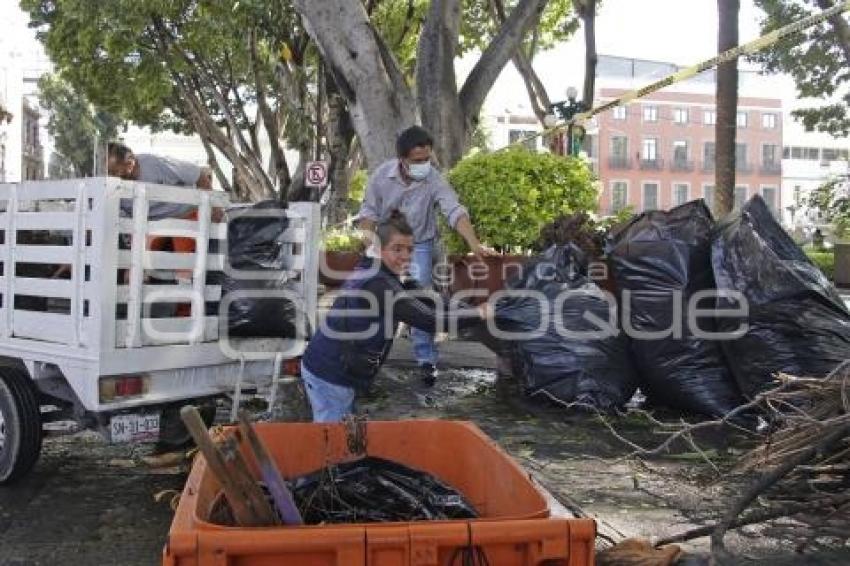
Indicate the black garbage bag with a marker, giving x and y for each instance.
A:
(797, 322)
(662, 258)
(589, 363)
(254, 245)
(376, 490)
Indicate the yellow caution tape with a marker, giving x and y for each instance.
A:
(688, 72)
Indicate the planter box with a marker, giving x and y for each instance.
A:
(468, 273)
(334, 267)
(514, 528)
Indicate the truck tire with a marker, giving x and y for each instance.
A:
(20, 424)
(173, 434)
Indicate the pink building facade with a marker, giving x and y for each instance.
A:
(658, 152)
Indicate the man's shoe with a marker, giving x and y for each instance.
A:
(428, 374)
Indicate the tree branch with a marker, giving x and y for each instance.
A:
(587, 12)
(277, 157)
(537, 95)
(769, 479)
(523, 17)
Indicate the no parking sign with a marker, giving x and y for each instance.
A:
(316, 174)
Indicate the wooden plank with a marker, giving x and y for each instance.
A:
(43, 326)
(45, 220)
(65, 189)
(271, 475)
(56, 288)
(165, 331)
(8, 267)
(43, 254)
(170, 261)
(179, 195)
(244, 496)
(199, 270)
(212, 293)
(174, 227)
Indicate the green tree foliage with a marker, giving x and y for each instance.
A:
(512, 194)
(817, 60)
(74, 125)
(557, 24)
(832, 200)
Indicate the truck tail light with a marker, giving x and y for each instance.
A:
(123, 386)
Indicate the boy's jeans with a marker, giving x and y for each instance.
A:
(330, 402)
(424, 347)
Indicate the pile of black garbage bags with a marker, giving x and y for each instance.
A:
(704, 315)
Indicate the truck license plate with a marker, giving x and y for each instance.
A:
(135, 428)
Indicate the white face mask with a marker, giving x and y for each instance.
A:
(418, 171)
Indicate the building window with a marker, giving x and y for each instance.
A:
(680, 194)
(708, 156)
(708, 196)
(680, 152)
(798, 193)
(619, 196)
(811, 153)
(742, 119)
(619, 112)
(769, 196)
(680, 115)
(769, 154)
(650, 149)
(528, 141)
(844, 154)
(786, 152)
(768, 121)
(829, 154)
(740, 196)
(709, 117)
(620, 147)
(650, 113)
(650, 196)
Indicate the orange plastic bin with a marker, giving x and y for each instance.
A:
(514, 529)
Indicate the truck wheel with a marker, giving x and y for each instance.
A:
(172, 432)
(20, 424)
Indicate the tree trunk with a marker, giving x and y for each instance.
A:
(436, 87)
(365, 71)
(340, 134)
(587, 12)
(727, 109)
(379, 100)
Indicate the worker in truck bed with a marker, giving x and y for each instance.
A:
(350, 346)
(148, 168)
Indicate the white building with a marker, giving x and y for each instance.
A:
(809, 159)
(23, 140)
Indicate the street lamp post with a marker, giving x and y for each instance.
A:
(566, 111)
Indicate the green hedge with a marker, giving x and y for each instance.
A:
(512, 194)
(824, 260)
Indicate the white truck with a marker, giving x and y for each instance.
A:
(78, 339)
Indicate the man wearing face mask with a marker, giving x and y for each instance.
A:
(412, 185)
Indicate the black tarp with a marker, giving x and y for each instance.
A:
(797, 322)
(660, 259)
(566, 366)
(254, 244)
(376, 490)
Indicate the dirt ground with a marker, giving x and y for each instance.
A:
(91, 503)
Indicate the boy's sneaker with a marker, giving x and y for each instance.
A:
(428, 374)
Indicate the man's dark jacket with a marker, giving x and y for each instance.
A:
(354, 360)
